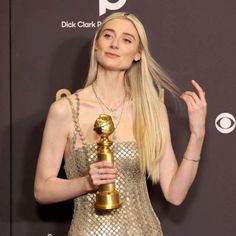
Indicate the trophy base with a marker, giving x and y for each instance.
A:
(106, 200)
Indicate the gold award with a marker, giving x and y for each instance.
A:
(106, 197)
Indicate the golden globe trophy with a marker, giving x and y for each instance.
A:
(106, 197)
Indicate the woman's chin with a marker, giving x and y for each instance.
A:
(114, 66)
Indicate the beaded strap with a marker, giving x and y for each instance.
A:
(75, 118)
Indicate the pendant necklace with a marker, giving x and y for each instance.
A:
(113, 111)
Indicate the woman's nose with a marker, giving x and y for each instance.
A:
(115, 43)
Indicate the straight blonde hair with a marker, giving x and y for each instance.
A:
(144, 81)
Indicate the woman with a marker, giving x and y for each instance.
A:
(123, 81)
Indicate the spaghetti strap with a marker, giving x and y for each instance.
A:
(75, 118)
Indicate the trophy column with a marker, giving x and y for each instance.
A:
(106, 197)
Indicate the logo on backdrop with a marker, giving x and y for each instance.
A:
(79, 24)
(225, 123)
(105, 5)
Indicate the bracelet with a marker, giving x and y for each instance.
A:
(191, 159)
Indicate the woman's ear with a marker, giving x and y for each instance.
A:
(137, 57)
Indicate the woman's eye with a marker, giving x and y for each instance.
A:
(107, 36)
(127, 40)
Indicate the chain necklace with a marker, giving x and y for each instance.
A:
(111, 110)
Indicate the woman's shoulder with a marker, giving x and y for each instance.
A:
(60, 109)
(60, 106)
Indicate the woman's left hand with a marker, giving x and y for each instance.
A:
(197, 109)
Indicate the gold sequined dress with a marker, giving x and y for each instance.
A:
(136, 217)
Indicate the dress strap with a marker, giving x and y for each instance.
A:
(75, 118)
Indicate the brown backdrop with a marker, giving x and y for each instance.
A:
(5, 119)
(191, 40)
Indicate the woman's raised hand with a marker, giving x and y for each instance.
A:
(102, 172)
(197, 109)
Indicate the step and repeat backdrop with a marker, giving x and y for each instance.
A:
(45, 47)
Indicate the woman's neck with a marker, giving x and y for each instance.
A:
(109, 85)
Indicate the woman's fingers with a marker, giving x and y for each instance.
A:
(102, 173)
(101, 164)
(196, 104)
(194, 96)
(200, 91)
(193, 99)
(103, 167)
(197, 86)
(189, 101)
(98, 182)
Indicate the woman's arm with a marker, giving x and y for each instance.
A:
(175, 181)
(48, 187)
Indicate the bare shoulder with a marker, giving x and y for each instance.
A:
(59, 110)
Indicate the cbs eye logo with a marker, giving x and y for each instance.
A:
(225, 123)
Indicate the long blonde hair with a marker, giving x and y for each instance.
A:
(144, 81)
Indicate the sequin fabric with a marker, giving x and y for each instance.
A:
(136, 217)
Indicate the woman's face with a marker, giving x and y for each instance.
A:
(117, 45)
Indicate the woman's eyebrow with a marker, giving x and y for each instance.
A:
(125, 33)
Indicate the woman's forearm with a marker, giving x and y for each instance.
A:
(186, 172)
(55, 189)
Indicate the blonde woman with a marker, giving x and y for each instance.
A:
(123, 81)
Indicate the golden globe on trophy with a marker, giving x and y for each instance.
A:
(106, 197)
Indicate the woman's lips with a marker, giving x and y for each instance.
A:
(112, 55)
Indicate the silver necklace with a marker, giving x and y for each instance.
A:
(111, 110)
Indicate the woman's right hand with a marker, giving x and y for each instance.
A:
(102, 172)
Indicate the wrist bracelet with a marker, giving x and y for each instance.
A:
(190, 159)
